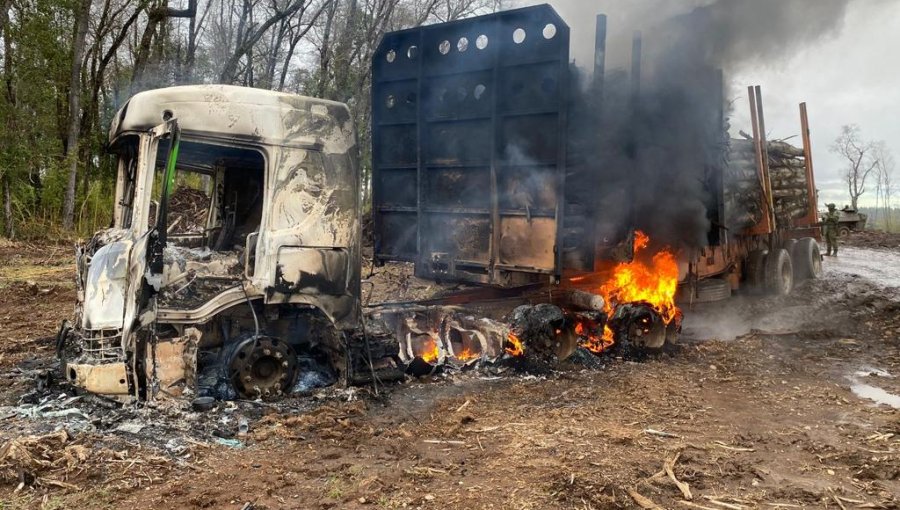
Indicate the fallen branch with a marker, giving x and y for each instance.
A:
(660, 433)
(721, 444)
(492, 429)
(838, 501)
(643, 502)
(723, 504)
(695, 505)
(443, 441)
(669, 467)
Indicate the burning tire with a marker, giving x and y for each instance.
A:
(638, 329)
(807, 259)
(779, 273)
(755, 271)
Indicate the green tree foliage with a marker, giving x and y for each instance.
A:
(320, 48)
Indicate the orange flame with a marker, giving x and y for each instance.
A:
(593, 339)
(467, 355)
(649, 278)
(514, 346)
(429, 351)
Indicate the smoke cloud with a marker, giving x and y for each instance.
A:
(663, 148)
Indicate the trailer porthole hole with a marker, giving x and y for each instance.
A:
(391, 56)
(549, 31)
(73, 374)
(519, 36)
(122, 382)
(462, 45)
(479, 91)
(444, 47)
(390, 102)
(412, 52)
(167, 115)
(482, 42)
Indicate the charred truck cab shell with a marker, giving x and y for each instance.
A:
(235, 249)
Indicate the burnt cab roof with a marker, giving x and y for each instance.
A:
(241, 114)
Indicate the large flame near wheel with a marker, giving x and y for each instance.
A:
(650, 278)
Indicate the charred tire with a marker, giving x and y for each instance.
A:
(843, 231)
(779, 273)
(755, 270)
(262, 367)
(807, 259)
(712, 290)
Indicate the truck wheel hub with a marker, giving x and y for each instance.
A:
(262, 367)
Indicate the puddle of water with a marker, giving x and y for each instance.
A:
(872, 371)
(875, 394)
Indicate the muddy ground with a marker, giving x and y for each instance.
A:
(767, 403)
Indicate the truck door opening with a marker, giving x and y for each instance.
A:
(216, 199)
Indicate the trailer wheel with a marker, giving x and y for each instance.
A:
(755, 271)
(807, 259)
(843, 231)
(713, 289)
(779, 273)
(789, 245)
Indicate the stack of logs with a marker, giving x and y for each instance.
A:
(188, 210)
(787, 170)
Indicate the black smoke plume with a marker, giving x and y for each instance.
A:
(661, 144)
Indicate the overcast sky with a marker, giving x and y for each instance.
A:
(847, 75)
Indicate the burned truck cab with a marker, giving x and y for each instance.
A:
(234, 257)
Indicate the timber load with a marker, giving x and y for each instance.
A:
(743, 187)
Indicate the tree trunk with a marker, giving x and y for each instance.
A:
(81, 21)
(10, 230)
(245, 44)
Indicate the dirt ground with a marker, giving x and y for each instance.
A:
(873, 239)
(767, 403)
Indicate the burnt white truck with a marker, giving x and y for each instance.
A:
(234, 252)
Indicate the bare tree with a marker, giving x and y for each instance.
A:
(884, 171)
(249, 34)
(78, 47)
(859, 156)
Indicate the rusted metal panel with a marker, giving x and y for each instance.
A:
(469, 145)
(812, 216)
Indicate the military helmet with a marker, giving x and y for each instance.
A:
(831, 206)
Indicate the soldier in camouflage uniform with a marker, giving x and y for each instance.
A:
(831, 221)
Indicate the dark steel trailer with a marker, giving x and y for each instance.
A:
(470, 148)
